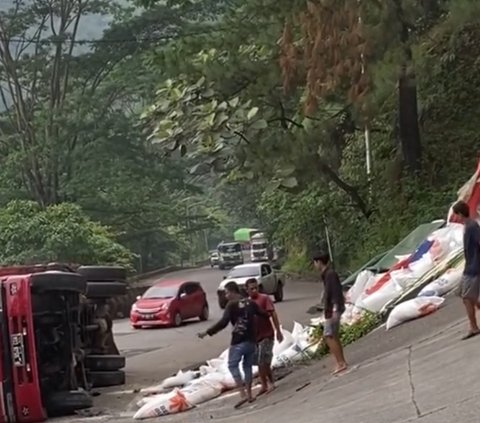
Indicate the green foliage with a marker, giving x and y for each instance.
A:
(62, 232)
(348, 334)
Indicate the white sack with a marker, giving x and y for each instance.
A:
(290, 356)
(403, 278)
(206, 370)
(297, 330)
(412, 309)
(376, 301)
(359, 286)
(217, 363)
(201, 391)
(448, 281)
(213, 378)
(146, 399)
(285, 344)
(421, 266)
(163, 405)
(224, 355)
(180, 379)
(227, 381)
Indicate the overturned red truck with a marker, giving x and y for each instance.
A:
(56, 339)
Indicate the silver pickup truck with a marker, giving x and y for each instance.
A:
(270, 281)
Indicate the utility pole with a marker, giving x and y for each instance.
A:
(368, 156)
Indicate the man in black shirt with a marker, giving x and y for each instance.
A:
(334, 306)
(470, 283)
(241, 313)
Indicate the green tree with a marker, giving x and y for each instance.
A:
(31, 234)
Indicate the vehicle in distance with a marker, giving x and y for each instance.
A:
(230, 254)
(260, 249)
(270, 281)
(214, 258)
(169, 303)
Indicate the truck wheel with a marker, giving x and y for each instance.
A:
(58, 281)
(279, 293)
(106, 289)
(103, 273)
(67, 402)
(104, 362)
(104, 379)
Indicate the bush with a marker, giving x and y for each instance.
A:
(62, 232)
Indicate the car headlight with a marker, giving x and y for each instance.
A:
(134, 307)
(164, 306)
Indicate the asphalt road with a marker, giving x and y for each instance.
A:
(153, 354)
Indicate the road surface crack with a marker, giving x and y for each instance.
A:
(412, 386)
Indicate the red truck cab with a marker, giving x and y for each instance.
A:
(20, 393)
(22, 398)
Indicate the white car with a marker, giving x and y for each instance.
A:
(270, 281)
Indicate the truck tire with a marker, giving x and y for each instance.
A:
(58, 281)
(103, 273)
(105, 289)
(104, 362)
(279, 293)
(104, 379)
(64, 403)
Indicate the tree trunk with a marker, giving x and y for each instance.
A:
(409, 131)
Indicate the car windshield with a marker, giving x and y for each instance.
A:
(161, 292)
(261, 246)
(230, 248)
(244, 272)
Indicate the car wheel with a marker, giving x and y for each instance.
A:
(104, 362)
(177, 319)
(205, 313)
(221, 267)
(67, 402)
(136, 327)
(105, 379)
(279, 293)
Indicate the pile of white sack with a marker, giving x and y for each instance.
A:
(440, 264)
(187, 390)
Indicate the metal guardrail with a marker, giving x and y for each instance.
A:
(136, 280)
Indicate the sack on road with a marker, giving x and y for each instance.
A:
(201, 391)
(412, 309)
(286, 343)
(292, 355)
(163, 405)
(447, 282)
(180, 379)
